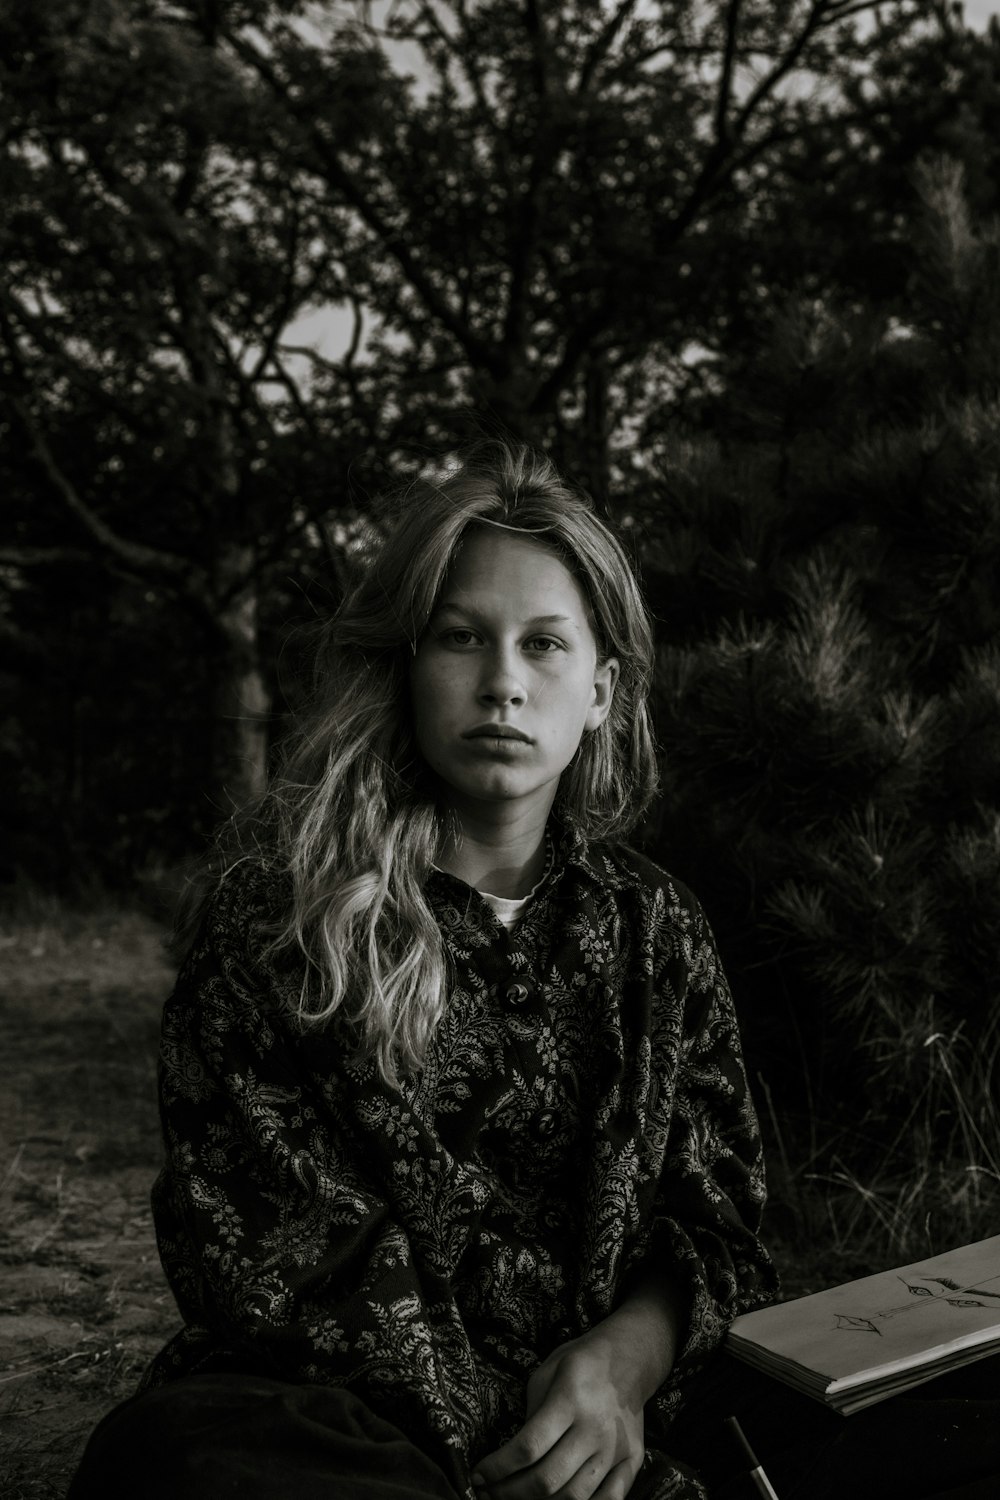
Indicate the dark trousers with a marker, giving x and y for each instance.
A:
(211, 1436)
(208, 1437)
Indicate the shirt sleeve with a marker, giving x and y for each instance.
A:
(704, 1228)
(270, 1237)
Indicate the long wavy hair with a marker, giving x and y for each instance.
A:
(353, 816)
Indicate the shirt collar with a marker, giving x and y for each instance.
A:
(572, 851)
(592, 860)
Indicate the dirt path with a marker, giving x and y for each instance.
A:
(83, 1303)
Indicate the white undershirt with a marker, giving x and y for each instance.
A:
(507, 909)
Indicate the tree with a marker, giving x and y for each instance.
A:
(830, 686)
(156, 247)
(550, 204)
(557, 218)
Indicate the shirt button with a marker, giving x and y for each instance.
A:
(517, 994)
(544, 1124)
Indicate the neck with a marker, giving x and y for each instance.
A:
(505, 857)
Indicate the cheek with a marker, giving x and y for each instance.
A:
(577, 695)
(422, 679)
(429, 695)
(419, 697)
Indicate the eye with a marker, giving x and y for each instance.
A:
(544, 645)
(459, 635)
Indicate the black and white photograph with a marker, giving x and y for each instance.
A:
(500, 679)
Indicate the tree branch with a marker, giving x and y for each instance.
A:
(149, 562)
(813, 23)
(288, 383)
(468, 56)
(602, 45)
(842, 10)
(286, 302)
(464, 55)
(36, 328)
(320, 361)
(43, 557)
(351, 353)
(722, 160)
(580, 342)
(726, 77)
(529, 210)
(394, 241)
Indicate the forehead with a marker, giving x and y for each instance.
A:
(494, 567)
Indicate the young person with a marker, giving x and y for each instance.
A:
(463, 1178)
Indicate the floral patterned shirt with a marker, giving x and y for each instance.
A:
(583, 1115)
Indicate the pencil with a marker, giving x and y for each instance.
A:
(760, 1481)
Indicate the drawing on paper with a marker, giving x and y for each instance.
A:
(922, 1288)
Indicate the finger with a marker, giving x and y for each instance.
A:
(569, 1463)
(529, 1445)
(539, 1384)
(617, 1481)
(587, 1480)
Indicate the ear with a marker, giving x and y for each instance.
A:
(605, 678)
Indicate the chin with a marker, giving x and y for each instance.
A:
(500, 792)
(497, 787)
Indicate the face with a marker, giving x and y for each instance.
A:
(506, 681)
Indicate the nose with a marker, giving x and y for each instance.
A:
(501, 683)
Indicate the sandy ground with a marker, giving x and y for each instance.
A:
(83, 1302)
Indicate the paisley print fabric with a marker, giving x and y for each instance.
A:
(583, 1115)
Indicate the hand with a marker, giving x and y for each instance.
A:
(583, 1438)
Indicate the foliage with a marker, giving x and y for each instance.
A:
(830, 690)
(543, 208)
(562, 218)
(676, 244)
(157, 243)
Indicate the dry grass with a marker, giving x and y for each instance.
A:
(83, 1303)
(932, 1179)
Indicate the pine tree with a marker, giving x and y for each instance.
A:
(823, 548)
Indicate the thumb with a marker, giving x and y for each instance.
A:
(539, 1384)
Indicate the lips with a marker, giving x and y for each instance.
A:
(498, 732)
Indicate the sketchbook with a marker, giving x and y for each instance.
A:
(858, 1343)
